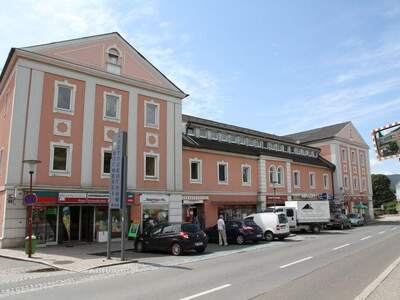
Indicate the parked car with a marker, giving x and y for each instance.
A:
(173, 237)
(339, 221)
(273, 225)
(356, 219)
(237, 232)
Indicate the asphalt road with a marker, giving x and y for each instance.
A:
(331, 265)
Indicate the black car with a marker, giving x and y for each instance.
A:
(237, 232)
(172, 237)
(339, 221)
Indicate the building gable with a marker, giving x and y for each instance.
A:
(94, 52)
(349, 132)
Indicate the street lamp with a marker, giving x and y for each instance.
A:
(31, 164)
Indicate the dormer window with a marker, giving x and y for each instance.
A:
(113, 60)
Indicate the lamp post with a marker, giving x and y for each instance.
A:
(274, 187)
(31, 164)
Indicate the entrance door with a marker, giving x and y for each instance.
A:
(69, 223)
(87, 223)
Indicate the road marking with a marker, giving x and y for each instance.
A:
(340, 247)
(394, 228)
(207, 292)
(381, 232)
(365, 238)
(295, 262)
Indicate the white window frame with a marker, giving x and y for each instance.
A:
(199, 169)
(326, 186)
(312, 186)
(282, 183)
(215, 138)
(146, 124)
(56, 109)
(67, 123)
(242, 167)
(117, 119)
(224, 137)
(299, 179)
(103, 150)
(68, 171)
(156, 177)
(205, 135)
(226, 164)
(274, 174)
(344, 154)
(353, 157)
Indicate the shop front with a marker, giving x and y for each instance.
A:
(72, 217)
(193, 209)
(275, 200)
(154, 209)
(230, 207)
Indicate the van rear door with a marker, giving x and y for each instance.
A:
(291, 217)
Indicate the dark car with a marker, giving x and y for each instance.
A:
(339, 221)
(172, 237)
(237, 232)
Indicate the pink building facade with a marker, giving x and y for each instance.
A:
(61, 103)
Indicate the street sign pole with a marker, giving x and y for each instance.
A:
(118, 195)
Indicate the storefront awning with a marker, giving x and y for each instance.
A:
(233, 202)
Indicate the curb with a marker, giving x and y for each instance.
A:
(374, 284)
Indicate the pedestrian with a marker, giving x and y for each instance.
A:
(221, 231)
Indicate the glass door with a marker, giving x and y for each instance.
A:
(44, 224)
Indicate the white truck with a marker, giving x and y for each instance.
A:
(306, 215)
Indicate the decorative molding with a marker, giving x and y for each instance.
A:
(152, 140)
(109, 132)
(62, 127)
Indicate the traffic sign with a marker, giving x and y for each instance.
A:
(30, 199)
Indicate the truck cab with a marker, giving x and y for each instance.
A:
(290, 213)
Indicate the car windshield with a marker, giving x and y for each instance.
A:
(353, 216)
(190, 227)
(249, 223)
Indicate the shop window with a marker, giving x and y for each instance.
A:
(60, 159)
(296, 178)
(246, 175)
(151, 166)
(195, 171)
(190, 131)
(325, 178)
(236, 213)
(222, 172)
(106, 163)
(112, 107)
(64, 97)
(311, 179)
(151, 114)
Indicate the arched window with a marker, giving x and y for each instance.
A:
(113, 56)
(279, 176)
(272, 174)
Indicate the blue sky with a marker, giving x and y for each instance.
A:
(279, 67)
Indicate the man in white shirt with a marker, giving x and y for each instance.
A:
(221, 231)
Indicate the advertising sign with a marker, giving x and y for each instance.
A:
(116, 171)
(387, 141)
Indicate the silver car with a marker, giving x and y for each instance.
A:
(356, 219)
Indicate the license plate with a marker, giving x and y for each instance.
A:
(198, 244)
(259, 235)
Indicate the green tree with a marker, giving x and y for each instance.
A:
(381, 190)
(393, 147)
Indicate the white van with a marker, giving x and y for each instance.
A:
(273, 225)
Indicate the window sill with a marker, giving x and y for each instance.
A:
(195, 182)
(223, 182)
(114, 120)
(156, 126)
(59, 174)
(105, 176)
(63, 111)
(246, 184)
(151, 179)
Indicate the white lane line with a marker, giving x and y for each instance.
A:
(394, 228)
(381, 232)
(365, 238)
(340, 247)
(207, 292)
(295, 262)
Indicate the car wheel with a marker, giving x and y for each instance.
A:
(316, 229)
(269, 236)
(140, 246)
(200, 250)
(341, 226)
(176, 249)
(240, 239)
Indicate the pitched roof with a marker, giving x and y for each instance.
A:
(203, 143)
(218, 125)
(317, 133)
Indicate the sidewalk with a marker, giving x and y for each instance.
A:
(86, 256)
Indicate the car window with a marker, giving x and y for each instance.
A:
(190, 227)
(156, 230)
(169, 229)
(289, 212)
(282, 219)
(249, 222)
(249, 219)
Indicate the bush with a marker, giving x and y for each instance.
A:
(390, 208)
